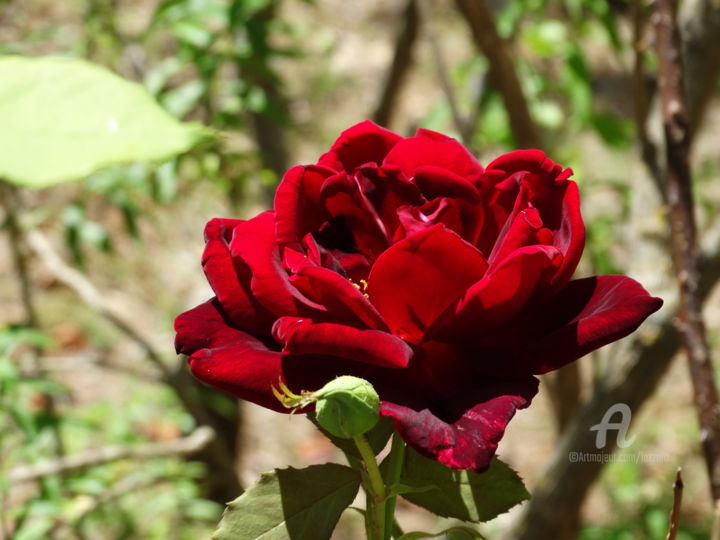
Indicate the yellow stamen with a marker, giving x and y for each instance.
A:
(362, 287)
(289, 399)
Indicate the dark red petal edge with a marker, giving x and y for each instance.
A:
(466, 435)
(597, 310)
(227, 358)
(230, 278)
(362, 143)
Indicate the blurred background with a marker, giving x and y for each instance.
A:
(102, 430)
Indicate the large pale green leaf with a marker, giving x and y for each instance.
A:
(299, 504)
(64, 118)
(463, 495)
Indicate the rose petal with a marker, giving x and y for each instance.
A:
(457, 215)
(253, 241)
(431, 148)
(559, 208)
(538, 182)
(343, 197)
(230, 279)
(416, 279)
(500, 295)
(534, 161)
(592, 312)
(499, 193)
(436, 182)
(305, 337)
(342, 299)
(463, 433)
(226, 357)
(520, 230)
(365, 142)
(298, 208)
(387, 190)
(569, 235)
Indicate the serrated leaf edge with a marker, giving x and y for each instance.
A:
(265, 478)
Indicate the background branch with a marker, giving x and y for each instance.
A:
(428, 19)
(220, 454)
(194, 442)
(678, 186)
(502, 74)
(91, 296)
(400, 66)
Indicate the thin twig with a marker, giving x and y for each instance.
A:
(401, 63)
(194, 442)
(678, 186)
(84, 361)
(91, 296)
(221, 452)
(428, 20)
(69, 526)
(677, 502)
(127, 484)
(501, 71)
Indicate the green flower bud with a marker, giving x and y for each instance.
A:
(347, 407)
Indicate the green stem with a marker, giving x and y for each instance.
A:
(395, 464)
(375, 488)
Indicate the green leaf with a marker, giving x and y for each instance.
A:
(377, 436)
(65, 118)
(453, 533)
(464, 495)
(291, 503)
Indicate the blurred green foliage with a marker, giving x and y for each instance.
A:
(121, 499)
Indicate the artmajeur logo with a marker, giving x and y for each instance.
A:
(621, 427)
(617, 418)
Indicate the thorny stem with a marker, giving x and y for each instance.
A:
(679, 197)
(375, 488)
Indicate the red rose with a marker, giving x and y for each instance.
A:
(403, 261)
